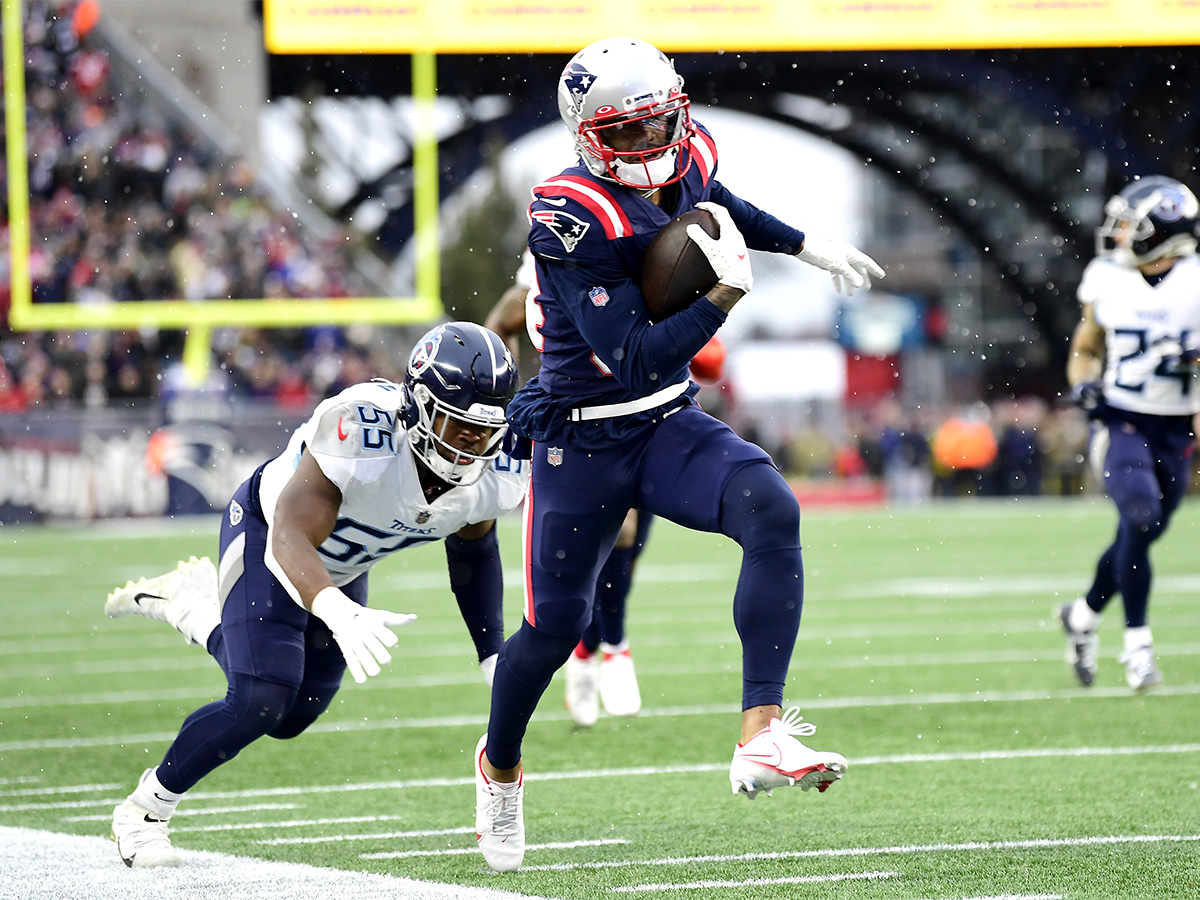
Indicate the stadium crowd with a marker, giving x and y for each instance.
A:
(126, 205)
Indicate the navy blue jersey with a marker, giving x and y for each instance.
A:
(586, 311)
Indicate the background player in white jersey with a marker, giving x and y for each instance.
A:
(377, 468)
(1133, 367)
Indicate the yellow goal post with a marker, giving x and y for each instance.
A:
(199, 317)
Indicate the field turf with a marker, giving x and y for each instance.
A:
(928, 655)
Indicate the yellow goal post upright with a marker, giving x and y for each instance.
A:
(199, 317)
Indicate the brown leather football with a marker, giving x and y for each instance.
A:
(675, 271)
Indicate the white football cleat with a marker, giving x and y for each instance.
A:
(143, 839)
(774, 758)
(619, 692)
(185, 598)
(582, 697)
(499, 817)
(1083, 647)
(1141, 671)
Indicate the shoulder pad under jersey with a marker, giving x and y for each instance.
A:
(572, 212)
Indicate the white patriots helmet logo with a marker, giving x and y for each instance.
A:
(564, 226)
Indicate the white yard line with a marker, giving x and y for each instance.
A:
(465, 851)
(901, 849)
(383, 835)
(754, 882)
(205, 811)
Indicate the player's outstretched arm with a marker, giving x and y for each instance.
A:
(849, 266)
(477, 579)
(305, 515)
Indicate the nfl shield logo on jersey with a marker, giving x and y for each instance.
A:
(235, 513)
(554, 456)
(598, 296)
(423, 516)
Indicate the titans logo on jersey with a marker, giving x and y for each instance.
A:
(1149, 330)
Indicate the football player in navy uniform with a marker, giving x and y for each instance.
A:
(1133, 368)
(614, 427)
(600, 671)
(377, 468)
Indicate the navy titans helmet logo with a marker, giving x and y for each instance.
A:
(578, 81)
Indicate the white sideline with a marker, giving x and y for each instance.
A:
(41, 865)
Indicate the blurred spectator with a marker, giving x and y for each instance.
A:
(906, 456)
(12, 397)
(963, 450)
(1064, 440)
(1018, 470)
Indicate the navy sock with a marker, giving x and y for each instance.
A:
(612, 590)
(528, 660)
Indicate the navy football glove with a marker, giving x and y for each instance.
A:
(1088, 395)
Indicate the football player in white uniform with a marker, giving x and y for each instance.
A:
(377, 468)
(1133, 368)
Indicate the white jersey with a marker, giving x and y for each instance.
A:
(360, 444)
(1146, 327)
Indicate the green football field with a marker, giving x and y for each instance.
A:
(928, 655)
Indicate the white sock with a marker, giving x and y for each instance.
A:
(1137, 638)
(152, 796)
(1082, 617)
(197, 621)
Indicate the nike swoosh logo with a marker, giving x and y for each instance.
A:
(774, 759)
(161, 797)
(137, 598)
(341, 434)
(554, 201)
(154, 821)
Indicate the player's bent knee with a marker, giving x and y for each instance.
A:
(260, 705)
(758, 505)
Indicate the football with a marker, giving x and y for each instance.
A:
(675, 271)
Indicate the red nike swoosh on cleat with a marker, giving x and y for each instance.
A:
(341, 434)
(774, 760)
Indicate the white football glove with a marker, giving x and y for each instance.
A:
(727, 254)
(363, 635)
(849, 266)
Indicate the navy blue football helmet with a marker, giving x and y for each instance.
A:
(1151, 218)
(460, 371)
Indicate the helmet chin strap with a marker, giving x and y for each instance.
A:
(634, 174)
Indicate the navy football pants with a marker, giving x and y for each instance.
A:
(693, 470)
(1147, 480)
(282, 664)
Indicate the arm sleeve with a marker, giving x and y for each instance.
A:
(761, 230)
(478, 584)
(641, 356)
